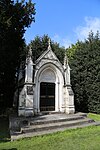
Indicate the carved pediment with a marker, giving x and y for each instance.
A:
(50, 55)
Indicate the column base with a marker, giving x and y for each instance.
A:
(26, 112)
(70, 110)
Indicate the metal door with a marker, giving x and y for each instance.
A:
(47, 96)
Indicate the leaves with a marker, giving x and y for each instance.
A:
(14, 19)
(85, 74)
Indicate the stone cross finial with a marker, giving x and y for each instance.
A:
(49, 43)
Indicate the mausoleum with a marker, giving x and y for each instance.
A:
(44, 86)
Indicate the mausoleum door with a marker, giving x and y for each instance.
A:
(47, 96)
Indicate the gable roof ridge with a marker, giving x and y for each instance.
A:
(43, 54)
(47, 51)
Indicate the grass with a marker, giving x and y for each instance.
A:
(96, 117)
(75, 139)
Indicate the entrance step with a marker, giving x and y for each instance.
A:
(54, 125)
(47, 120)
(40, 125)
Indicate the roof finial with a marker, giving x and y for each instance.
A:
(49, 44)
(65, 61)
(30, 51)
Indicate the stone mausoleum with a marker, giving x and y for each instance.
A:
(44, 86)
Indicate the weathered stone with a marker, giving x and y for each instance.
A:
(51, 90)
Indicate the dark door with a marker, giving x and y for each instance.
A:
(47, 96)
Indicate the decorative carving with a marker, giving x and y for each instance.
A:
(48, 75)
(29, 90)
(49, 58)
(50, 55)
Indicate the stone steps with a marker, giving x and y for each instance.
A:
(46, 124)
(54, 125)
(18, 135)
(54, 120)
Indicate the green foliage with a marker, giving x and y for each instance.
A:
(71, 50)
(85, 74)
(14, 19)
(40, 44)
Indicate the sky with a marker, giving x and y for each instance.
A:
(65, 21)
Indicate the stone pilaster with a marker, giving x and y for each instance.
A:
(27, 93)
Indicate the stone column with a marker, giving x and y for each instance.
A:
(69, 100)
(27, 92)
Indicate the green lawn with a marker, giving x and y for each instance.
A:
(96, 117)
(75, 139)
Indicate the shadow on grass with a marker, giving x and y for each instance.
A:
(4, 129)
(10, 149)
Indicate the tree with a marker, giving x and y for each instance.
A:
(85, 74)
(40, 44)
(14, 19)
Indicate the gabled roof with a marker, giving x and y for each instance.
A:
(48, 54)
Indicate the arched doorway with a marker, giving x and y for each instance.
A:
(49, 89)
(47, 96)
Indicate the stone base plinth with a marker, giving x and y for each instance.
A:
(27, 112)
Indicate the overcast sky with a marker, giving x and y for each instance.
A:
(65, 21)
